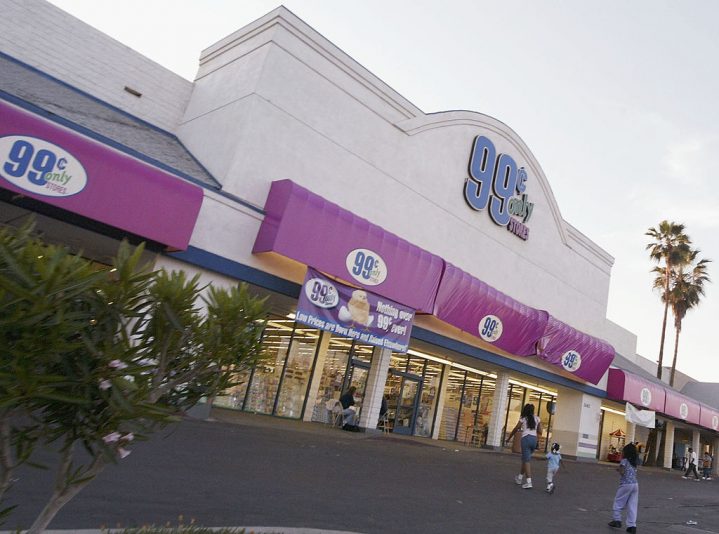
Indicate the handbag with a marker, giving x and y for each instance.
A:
(517, 442)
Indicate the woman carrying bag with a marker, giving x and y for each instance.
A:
(530, 428)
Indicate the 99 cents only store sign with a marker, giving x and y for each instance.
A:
(354, 313)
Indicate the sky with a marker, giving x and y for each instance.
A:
(616, 100)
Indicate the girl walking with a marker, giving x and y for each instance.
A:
(554, 460)
(531, 428)
(628, 493)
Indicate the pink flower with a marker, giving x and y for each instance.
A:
(128, 437)
(117, 364)
(105, 384)
(112, 437)
(124, 453)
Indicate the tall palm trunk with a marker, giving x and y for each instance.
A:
(664, 323)
(676, 351)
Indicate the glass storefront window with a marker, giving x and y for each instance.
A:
(514, 409)
(339, 373)
(234, 397)
(452, 405)
(297, 370)
(428, 401)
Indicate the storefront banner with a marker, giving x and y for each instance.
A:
(681, 407)
(302, 225)
(625, 386)
(55, 165)
(581, 354)
(354, 313)
(482, 311)
(645, 418)
(709, 417)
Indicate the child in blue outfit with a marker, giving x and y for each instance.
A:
(628, 493)
(554, 460)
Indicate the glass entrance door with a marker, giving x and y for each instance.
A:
(406, 412)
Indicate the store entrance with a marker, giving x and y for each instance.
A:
(402, 401)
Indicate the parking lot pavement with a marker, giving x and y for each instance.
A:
(245, 469)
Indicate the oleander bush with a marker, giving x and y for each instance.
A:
(95, 357)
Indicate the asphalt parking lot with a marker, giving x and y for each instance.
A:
(245, 469)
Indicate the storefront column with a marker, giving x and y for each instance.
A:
(576, 424)
(440, 401)
(631, 433)
(668, 445)
(715, 460)
(697, 443)
(499, 412)
(316, 376)
(374, 391)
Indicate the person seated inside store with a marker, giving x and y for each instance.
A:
(347, 400)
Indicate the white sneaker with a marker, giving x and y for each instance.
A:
(684, 476)
(518, 479)
(527, 485)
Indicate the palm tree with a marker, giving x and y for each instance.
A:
(672, 246)
(687, 289)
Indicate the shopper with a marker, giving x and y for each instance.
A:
(707, 466)
(531, 428)
(347, 400)
(692, 468)
(627, 496)
(554, 461)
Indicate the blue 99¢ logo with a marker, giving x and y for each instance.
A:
(571, 361)
(490, 328)
(366, 266)
(321, 293)
(40, 167)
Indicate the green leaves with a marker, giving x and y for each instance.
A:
(89, 352)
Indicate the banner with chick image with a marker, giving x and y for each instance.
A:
(354, 313)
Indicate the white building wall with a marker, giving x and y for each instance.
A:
(276, 100)
(285, 103)
(53, 41)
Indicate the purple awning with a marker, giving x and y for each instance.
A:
(708, 417)
(47, 162)
(304, 226)
(581, 354)
(681, 407)
(625, 386)
(480, 310)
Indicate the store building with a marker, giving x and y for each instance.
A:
(289, 166)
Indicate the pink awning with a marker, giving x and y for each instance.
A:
(625, 386)
(304, 226)
(55, 165)
(709, 417)
(581, 354)
(484, 312)
(681, 407)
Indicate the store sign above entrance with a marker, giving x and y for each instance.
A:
(482, 311)
(581, 354)
(305, 227)
(495, 182)
(55, 165)
(353, 313)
